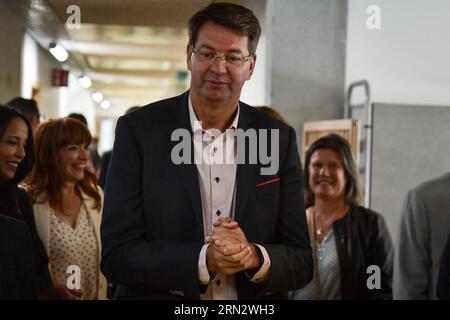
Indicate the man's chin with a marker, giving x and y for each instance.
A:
(217, 97)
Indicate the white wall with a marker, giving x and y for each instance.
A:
(79, 100)
(54, 102)
(50, 98)
(408, 60)
(254, 91)
(306, 54)
(29, 66)
(11, 34)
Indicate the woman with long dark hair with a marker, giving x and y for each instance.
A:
(16, 160)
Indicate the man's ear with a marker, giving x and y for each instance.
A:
(252, 67)
(188, 56)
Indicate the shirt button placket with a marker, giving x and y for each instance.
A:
(215, 192)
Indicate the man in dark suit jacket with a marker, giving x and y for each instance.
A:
(17, 276)
(162, 235)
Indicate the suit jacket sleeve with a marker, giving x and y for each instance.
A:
(290, 254)
(443, 283)
(412, 257)
(131, 255)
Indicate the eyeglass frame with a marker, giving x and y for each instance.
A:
(223, 58)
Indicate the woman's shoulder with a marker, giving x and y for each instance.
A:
(85, 196)
(26, 194)
(22, 194)
(91, 202)
(363, 210)
(101, 192)
(364, 213)
(24, 202)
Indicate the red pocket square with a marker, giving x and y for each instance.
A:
(267, 182)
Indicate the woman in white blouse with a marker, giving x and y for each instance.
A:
(67, 208)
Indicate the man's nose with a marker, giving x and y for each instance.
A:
(219, 65)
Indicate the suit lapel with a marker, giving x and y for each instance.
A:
(188, 172)
(244, 173)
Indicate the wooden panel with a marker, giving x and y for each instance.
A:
(347, 128)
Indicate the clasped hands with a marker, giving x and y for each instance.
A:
(229, 251)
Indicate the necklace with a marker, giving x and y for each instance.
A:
(327, 222)
(316, 275)
(318, 231)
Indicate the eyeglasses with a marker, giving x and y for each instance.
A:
(232, 60)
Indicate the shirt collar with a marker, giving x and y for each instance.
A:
(195, 123)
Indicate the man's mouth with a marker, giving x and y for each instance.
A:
(217, 83)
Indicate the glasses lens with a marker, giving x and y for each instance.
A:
(209, 56)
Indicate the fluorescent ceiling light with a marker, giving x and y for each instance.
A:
(166, 65)
(58, 52)
(85, 82)
(105, 104)
(97, 96)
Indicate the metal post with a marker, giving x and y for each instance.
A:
(368, 126)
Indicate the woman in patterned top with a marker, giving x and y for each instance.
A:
(67, 208)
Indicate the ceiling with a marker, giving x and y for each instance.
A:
(134, 51)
